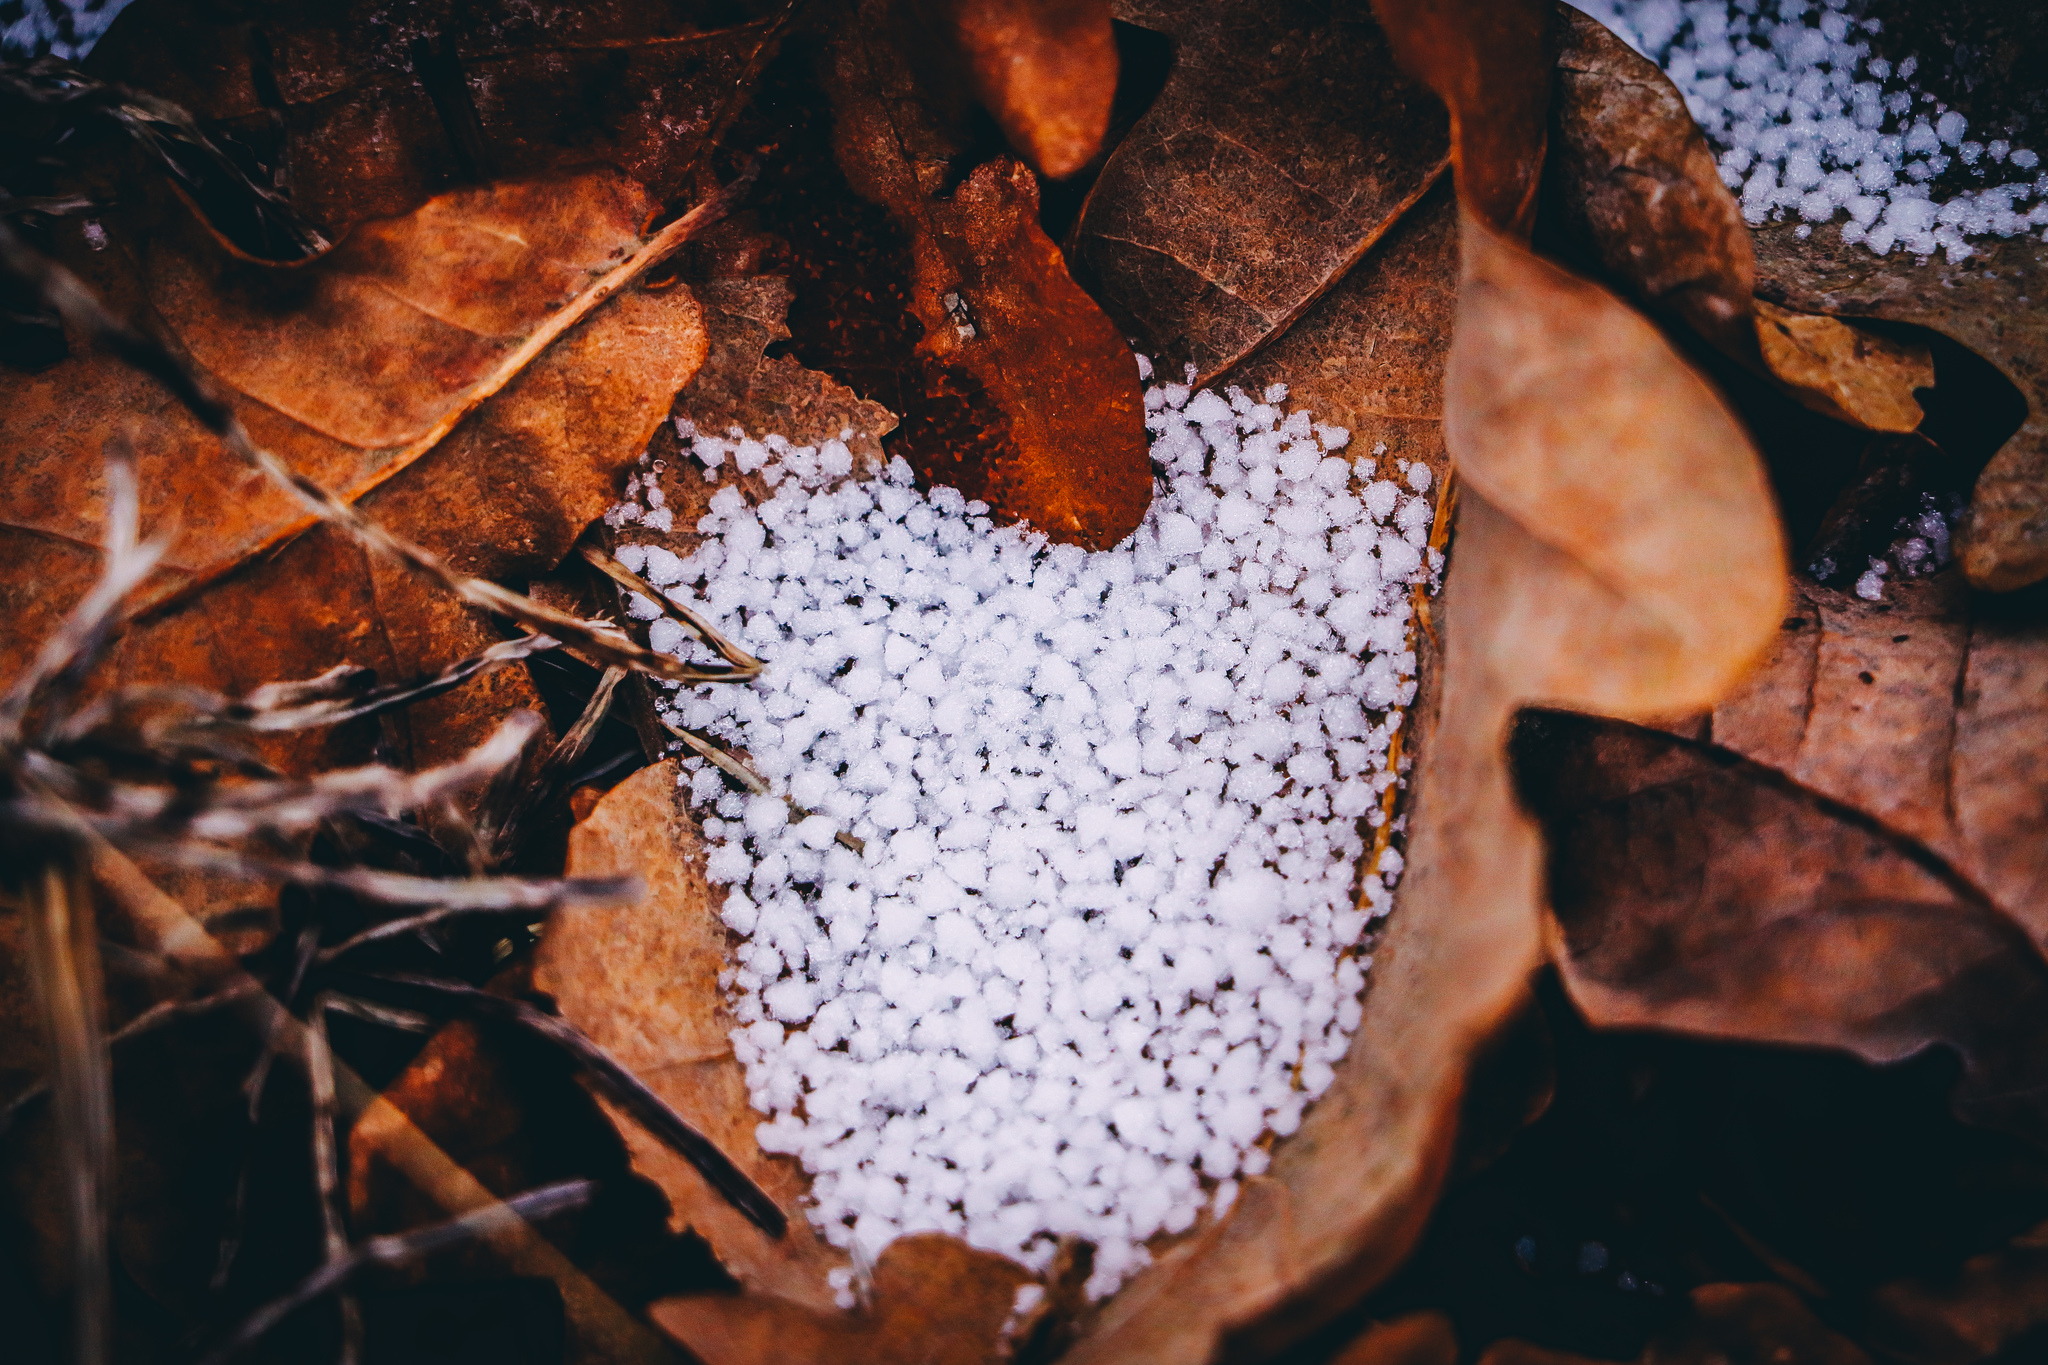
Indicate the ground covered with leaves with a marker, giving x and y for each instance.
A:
(364, 992)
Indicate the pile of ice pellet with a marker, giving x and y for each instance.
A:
(1808, 122)
(1113, 807)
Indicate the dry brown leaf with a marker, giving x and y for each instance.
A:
(1698, 893)
(1924, 711)
(1635, 179)
(374, 109)
(642, 981)
(1284, 143)
(1845, 372)
(1994, 1302)
(344, 366)
(1992, 302)
(1060, 439)
(1729, 1324)
(1417, 1339)
(1046, 69)
(931, 1299)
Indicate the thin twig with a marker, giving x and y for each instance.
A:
(327, 1168)
(502, 839)
(62, 938)
(615, 1082)
(412, 924)
(697, 624)
(727, 762)
(402, 1249)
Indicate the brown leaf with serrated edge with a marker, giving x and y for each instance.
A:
(371, 109)
(642, 981)
(1698, 892)
(1045, 69)
(932, 1299)
(1634, 178)
(1063, 445)
(347, 366)
(1285, 142)
(1923, 710)
(1988, 302)
(1726, 1324)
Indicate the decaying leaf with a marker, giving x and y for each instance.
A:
(1617, 547)
(1285, 143)
(1921, 710)
(1984, 302)
(369, 110)
(930, 1299)
(1062, 439)
(1634, 178)
(1728, 1324)
(1993, 1303)
(643, 983)
(1046, 71)
(1417, 1339)
(1696, 892)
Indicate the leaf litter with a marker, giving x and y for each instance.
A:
(1268, 1234)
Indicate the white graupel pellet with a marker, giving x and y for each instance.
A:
(1114, 806)
(1808, 123)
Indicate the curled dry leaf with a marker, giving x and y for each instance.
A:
(1061, 440)
(1621, 553)
(1635, 179)
(931, 1299)
(372, 110)
(1728, 1324)
(1986, 302)
(1697, 892)
(1923, 711)
(1046, 69)
(1285, 143)
(642, 982)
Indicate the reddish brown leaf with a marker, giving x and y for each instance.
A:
(1730, 1324)
(1696, 892)
(642, 981)
(1417, 1339)
(1046, 69)
(1284, 144)
(932, 1300)
(1992, 1303)
(378, 109)
(1988, 303)
(1063, 440)
(1923, 711)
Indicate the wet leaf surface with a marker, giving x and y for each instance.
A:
(1285, 143)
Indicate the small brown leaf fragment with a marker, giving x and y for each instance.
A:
(1064, 444)
(1993, 303)
(642, 981)
(1285, 142)
(1637, 180)
(1417, 1339)
(1046, 69)
(1693, 891)
(932, 1299)
(1991, 1303)
(337, 363)
(1843, 371)
(1634, 178)
(1729, 1324)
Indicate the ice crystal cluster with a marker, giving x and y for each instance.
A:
(1809, 123)
(1113, 806)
